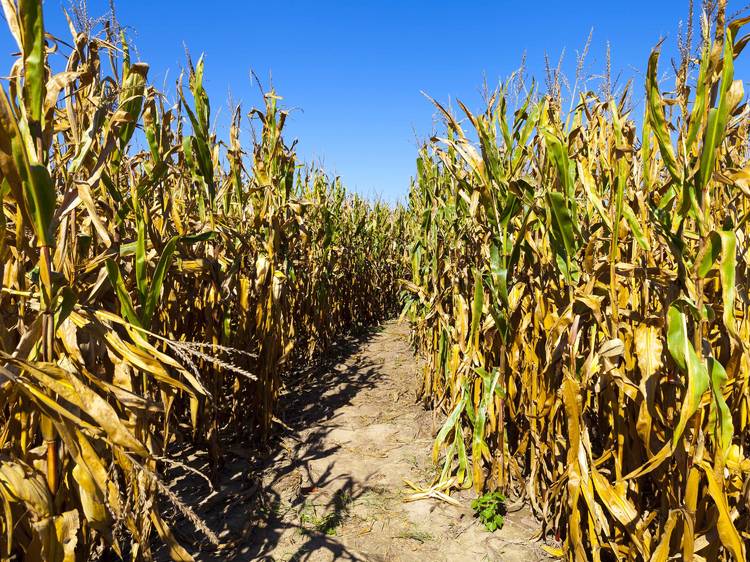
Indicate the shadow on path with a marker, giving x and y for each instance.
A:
(252, 506)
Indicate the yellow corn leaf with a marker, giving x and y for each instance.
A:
(728, 534)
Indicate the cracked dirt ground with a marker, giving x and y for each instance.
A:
(332, 487)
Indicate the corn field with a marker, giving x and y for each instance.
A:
(579, 288)
(576, 281)
(150, 294)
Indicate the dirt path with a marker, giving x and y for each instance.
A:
(334, 488)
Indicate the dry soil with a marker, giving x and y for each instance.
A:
(331, 487)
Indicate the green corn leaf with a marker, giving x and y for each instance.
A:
(151, 126)
(498, 274)
(687, 360)
(712, 253)
(32, 34)
(29, 181)
(462, 457)
(656, 118)
(476, 309)
(566, 172)
(478, 444)
(140, 259)
(727, 268)
(449, 424)
(126, 304)
(131, 101)
(562, 227)
(700, 103)
(720, 418)
(722, 249)
(635, 227)
(450, 453)
(41, 201)
(165, 260)
(200, 237)
(202, 107)
(718, 117)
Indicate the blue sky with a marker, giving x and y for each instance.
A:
(355, 70)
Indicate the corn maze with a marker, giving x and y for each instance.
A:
(576, 282)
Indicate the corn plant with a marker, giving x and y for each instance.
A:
(580, 296)
(152, 296)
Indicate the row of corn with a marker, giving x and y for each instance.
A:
(579, 288)
(156, 281)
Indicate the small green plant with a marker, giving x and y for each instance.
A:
(329, 522)
(490, 508)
